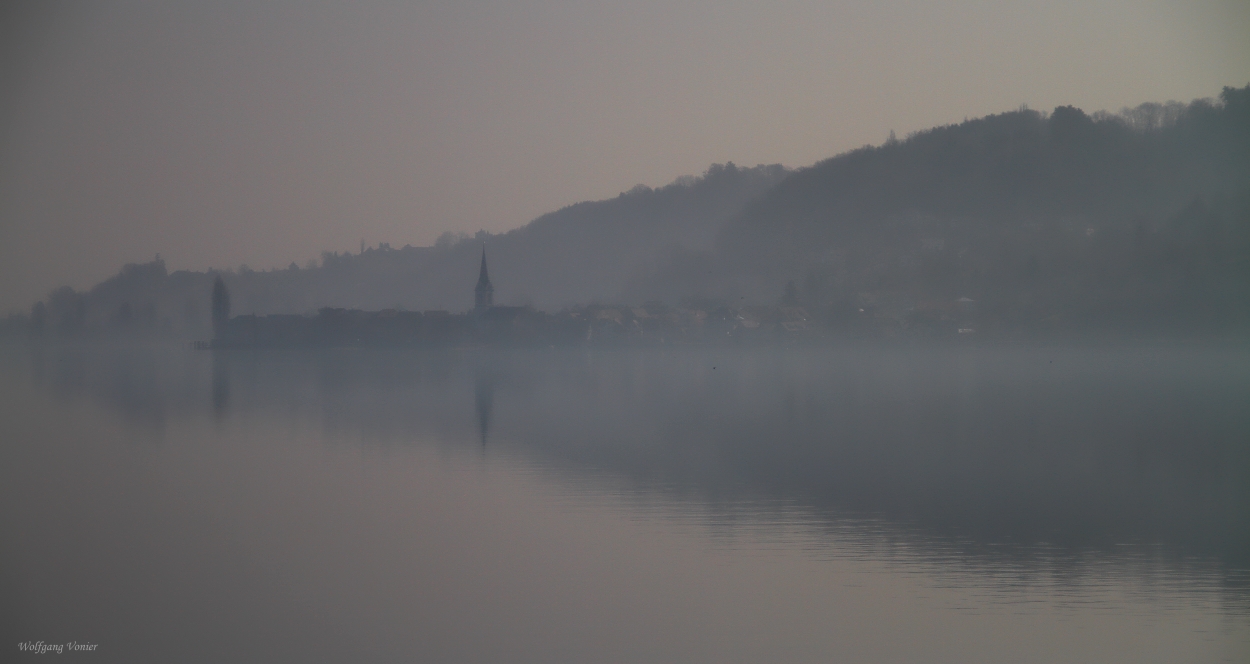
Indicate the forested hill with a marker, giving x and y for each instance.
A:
(1140, 215)
(1031, 221)
(1018, 166)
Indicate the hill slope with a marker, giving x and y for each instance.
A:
(1037, 221)
(1144, 215)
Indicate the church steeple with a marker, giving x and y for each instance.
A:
(484, 294)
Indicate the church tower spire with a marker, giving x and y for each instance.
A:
(484, 293)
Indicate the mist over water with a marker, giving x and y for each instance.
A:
(732, 388)
(852, 503)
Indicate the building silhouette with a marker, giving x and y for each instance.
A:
(484, 293)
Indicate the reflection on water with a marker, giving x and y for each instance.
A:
(484, 399)
(221, 384)
(1097, 479)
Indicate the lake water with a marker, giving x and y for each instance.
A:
(858, 504)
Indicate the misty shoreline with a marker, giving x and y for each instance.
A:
(1014, 225)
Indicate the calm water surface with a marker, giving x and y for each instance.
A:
(859, 504)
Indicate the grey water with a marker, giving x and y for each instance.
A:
(852, 504)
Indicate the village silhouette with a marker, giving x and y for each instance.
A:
(488, 323)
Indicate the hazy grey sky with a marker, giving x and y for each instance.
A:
(222, 133)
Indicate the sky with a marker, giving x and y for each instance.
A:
(224, 133)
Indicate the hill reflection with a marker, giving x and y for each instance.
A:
(1001, 453)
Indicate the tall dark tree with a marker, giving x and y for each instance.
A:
(221, 308)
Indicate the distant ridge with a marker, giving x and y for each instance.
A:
(581, 253)
(1133, 221)
(1121, 218)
